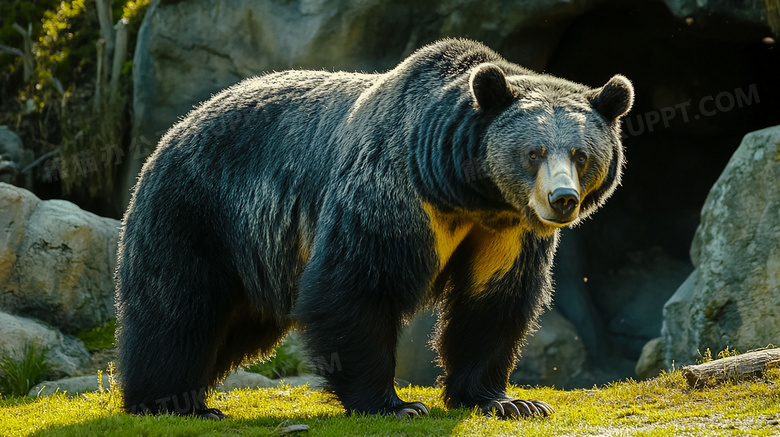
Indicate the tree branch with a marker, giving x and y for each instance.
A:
(751, 364)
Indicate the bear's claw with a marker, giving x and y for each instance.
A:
(410, 409)
(210, 414)
(509, 408)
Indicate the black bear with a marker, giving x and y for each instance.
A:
(340, 204)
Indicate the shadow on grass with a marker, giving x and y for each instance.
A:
(439, 422)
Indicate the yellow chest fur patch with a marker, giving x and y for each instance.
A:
(449, 229)
(491, 252)
(494, 254)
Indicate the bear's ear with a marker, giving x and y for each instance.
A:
(489, 87)
(614, 99)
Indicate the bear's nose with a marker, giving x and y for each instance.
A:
(564, 200)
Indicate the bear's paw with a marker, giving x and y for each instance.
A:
(210, 414)
(509, 408)
(410, 409)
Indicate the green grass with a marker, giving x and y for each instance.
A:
(657, 407)
(20, 372)
(98, 338)
(286, 361)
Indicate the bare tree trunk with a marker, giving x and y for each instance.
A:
(738, 367)
(99, 82)
(120, 53)
(107, 35)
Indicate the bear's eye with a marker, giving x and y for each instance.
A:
(533, 155)
(580, 157)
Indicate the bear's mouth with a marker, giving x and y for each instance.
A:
(555, 222)
(548, 217)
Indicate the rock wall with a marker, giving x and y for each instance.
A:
(731, 298)
(56, 261)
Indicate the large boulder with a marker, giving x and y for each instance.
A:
(634, 296)
(56, 261)
(242, 379)
(65, 354)
(415, 358)
(554, 355)
(652, 361)
(71, 386)
(731, 298)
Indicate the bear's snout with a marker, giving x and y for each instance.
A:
(564, 200)
(556, 199)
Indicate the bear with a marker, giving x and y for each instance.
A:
(339, 204)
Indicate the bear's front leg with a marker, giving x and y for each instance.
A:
(481, 328)
(478, 345)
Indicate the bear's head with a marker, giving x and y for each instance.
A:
(553, 148)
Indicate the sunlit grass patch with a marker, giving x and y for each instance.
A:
(657, 407)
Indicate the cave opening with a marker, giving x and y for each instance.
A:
(702, 83)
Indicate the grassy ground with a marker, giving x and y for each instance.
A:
(662, 406)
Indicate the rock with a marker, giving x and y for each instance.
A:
(653, 359)
(70, 386)
(731, 297)
(677, 329)
(553, 355)
(237, 379)
(633, 298)
(315, 382)
(573, 299)
(243, 379)
(99, 360)
(14, 158)
(56, 261)
(65, 354)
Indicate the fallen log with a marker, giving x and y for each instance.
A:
(751, 364)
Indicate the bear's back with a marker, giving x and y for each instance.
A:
(266, 116)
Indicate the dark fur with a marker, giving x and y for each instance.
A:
(296, 199)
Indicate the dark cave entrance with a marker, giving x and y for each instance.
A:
(701, 84)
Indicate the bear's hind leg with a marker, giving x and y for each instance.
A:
(168, 344)
(168, 366)
(352, 345)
